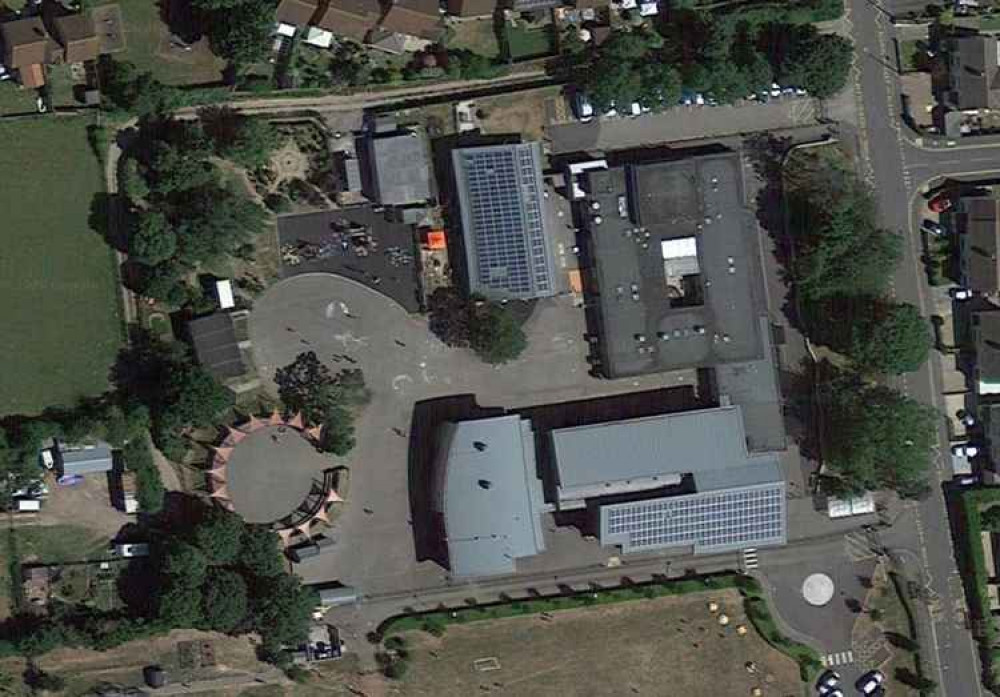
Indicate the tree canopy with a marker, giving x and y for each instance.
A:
(880, 439)
(224, 601)
(893, 339)
(495, 334)
(238, 30)
(307, 385)
(819, 63)
(220, 537)
(245, 140)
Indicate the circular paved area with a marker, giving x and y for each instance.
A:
(270, 473)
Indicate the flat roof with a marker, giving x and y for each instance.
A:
(651, 323)
(492, 497)
(215, 345)
(507, 248)
(637, 455)
(402, 170)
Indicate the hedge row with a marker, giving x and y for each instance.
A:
(973, 567)
(763, 621)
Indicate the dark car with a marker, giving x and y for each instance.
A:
(870, 683)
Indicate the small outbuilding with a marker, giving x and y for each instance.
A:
(81, 459)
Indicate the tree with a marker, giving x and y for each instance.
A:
(127, 89)
(224, 600)
(463, 63)
(131, 182)
(214, 223)
(185, 562)
(612, 74)
(180, 605)
(260, 555)
(281, 609)
(306, 385)
(883, 439)
(449, 317)
(174, 169)
(819, 63)
(495, 334)
(893, 339)
(990, 518)
(661, 85)
(220, 537)
(915, 680)
(152, 241)
(338, 432)
(247, 141)
(840, 249)
(238, 30)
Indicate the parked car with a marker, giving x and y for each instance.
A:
(775, 89)
(827, 682)
(965, 480)
(48, 461)
(584, 109)
(870, 683)
(940, 203)
(960, 293)
(634, 109)
(965, 450)
(933, 228)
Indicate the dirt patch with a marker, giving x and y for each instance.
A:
(289, 163)
(630, 648)
(87, 504)
(527, 113)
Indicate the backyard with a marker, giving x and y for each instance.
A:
(147, 44)
(623, 648)
(526, 41)
(60, 311)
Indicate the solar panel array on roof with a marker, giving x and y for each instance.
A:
(500, 196)
(710, 522)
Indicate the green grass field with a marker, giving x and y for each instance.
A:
(58, 284)
(526, 41)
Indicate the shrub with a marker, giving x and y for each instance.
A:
(396, 670)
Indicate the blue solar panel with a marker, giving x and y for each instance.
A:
(502, 211)
(708, 521)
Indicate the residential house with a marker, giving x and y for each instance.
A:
(419, 20)
(468, 9)
(973, 72)
(76, 34)
(349, 19)
(978, 219)
(27, 48)
(297, 13)
(986, 335)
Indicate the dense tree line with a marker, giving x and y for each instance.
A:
(840, 264)
(216, 574)
(724, 57)
(184, 217)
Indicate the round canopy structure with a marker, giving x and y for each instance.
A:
(818, 589)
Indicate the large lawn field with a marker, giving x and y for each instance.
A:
(662, 646)
(58, 286)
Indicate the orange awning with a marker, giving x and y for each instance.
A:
(575, 281)
(436, 240)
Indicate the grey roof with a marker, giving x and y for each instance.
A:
(989, 415)
(715, 521)
(974, 72)
(88, 459)
(753, 386)
(648, 322)
(980, 221)
(507, 248)
(647, 453)
(216, 346)
(400, 164)
(491, 496)
(987, 333)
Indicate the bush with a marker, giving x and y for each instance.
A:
(396, 670)
(298, 674)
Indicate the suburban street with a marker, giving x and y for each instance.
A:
(900, 167)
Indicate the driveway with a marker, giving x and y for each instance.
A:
(350, 325)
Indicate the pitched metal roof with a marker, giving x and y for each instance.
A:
(85, 460)
(492, 497)
(216, 346)
(647, 453)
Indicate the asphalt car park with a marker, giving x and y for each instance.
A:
(358, 243)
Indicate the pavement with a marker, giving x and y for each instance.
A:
(900, 166)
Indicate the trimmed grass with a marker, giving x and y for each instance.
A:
(525, 41)
(476, 35)
(665, 645)
(58, 282)
(910, 55)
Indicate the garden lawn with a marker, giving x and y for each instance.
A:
(529, 41)
(58, 284)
